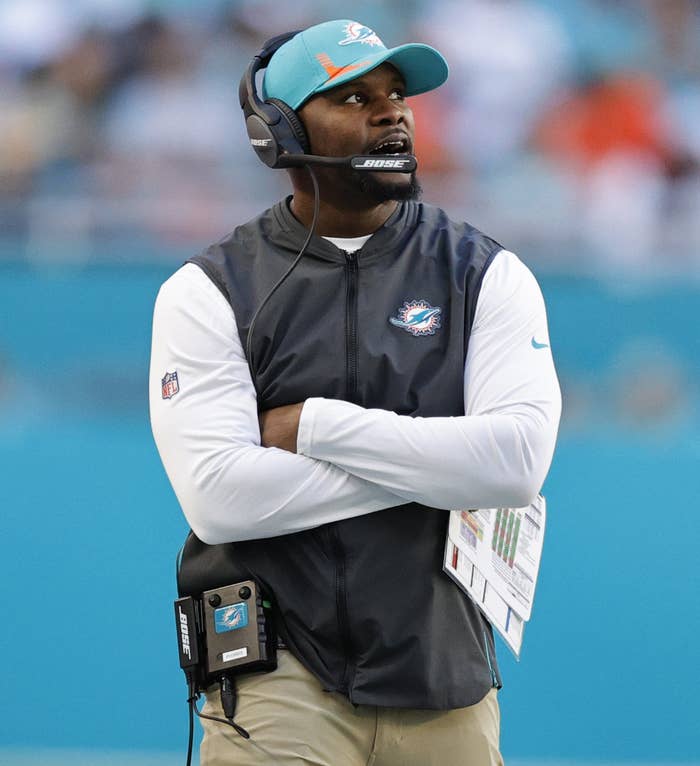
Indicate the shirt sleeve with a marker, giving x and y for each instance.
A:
(499, 452)
(205, 425)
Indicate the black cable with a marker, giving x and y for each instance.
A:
(190, 739)
(281, 280)
(228, 691)
(191, 698)
(228, 699)
(238, 728)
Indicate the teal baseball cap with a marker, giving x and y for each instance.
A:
(329, 54)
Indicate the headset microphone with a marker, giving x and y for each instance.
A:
(386, 163)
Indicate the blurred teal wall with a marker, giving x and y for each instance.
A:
(91, 526)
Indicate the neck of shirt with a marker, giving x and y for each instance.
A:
(348, 244)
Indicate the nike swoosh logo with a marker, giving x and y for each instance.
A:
(535, 344)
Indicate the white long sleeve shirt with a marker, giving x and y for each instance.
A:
(351, 461)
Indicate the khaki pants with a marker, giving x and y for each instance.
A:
(293, 722)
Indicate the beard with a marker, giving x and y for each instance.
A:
(380, 190)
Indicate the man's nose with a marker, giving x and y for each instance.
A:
(388, 112)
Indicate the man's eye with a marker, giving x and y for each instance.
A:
(397, 95)
(354, 98)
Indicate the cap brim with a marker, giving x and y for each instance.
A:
(421, 67)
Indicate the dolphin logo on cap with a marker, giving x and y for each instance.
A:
(359, 33)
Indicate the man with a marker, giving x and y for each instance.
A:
(400, 370)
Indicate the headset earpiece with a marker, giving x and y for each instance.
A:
(274, 128)
(295, 124)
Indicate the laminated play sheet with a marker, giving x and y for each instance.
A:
(494, 555)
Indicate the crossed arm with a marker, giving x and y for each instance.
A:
(279, 427)
(239, 477)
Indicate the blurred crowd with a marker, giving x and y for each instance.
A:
(566, 126)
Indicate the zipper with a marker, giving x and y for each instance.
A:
(342, 605)
(351, 280)
(494, 679)
(351, 271)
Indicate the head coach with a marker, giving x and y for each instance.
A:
(327, 382)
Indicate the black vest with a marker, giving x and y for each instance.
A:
(363, 603)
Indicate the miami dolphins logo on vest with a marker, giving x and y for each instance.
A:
(358, 33)
(418, 318)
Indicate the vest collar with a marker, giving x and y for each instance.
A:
(286, 231)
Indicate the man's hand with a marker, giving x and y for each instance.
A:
(280, 425)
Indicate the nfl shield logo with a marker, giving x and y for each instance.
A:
(169, 385)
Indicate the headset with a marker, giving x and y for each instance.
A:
(278, 136)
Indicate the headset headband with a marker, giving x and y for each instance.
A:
(247, 92)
